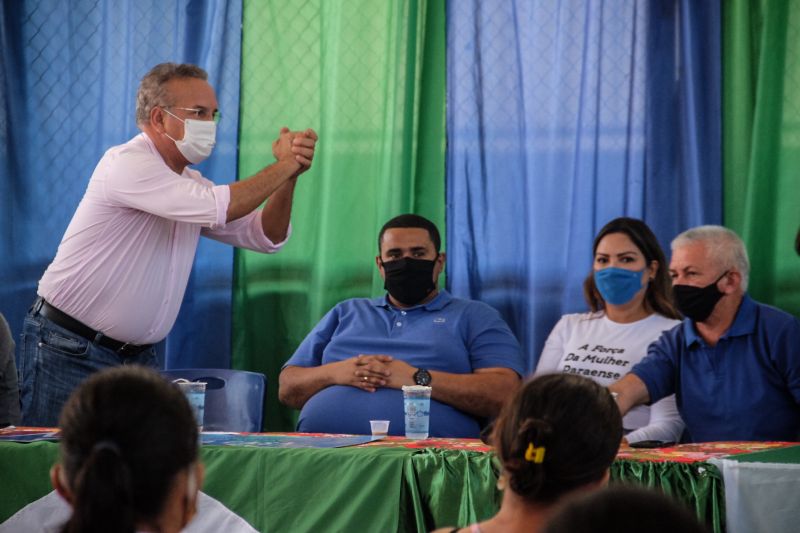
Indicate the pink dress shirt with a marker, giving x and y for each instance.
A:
(124, 261)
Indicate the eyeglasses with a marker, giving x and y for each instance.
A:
(200, 113)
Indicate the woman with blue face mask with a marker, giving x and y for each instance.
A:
(628, 294)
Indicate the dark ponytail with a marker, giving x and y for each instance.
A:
(560, 432)
(526, 475)
(103, 499)
(125, 434)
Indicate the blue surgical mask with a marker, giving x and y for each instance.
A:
(618, 286)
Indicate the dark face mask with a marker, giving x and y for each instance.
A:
(697, 303)
(409, 280)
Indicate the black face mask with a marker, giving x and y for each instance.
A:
(409, 280)
(697, 303)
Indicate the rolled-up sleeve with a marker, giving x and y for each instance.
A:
(247, 232)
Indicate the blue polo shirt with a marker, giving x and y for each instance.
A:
(747, 387)
(447, 334)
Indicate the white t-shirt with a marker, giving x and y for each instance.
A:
(592, 345)
(49, 513)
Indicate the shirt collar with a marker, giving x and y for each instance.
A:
(743, 324)
(438, 302)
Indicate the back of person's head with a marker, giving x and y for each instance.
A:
(623, 509)
(658, 295)
(412, 221)
(723, 248)
(797, 242)
(560, 432)
(125, 434)
(153, 91)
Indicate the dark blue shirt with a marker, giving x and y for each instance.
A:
(447, 334)
(747, 387)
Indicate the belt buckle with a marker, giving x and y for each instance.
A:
(123, 350)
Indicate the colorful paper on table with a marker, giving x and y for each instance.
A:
(473, 445)
(282, 440)
(692, 453)
(25, 434)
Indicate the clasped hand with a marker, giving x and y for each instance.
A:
(296, 145)
(371, 372)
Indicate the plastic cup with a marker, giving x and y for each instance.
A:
(417, 409)
(380, 428)
(195, 392)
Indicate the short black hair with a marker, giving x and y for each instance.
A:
(410, 220)
(625, 509)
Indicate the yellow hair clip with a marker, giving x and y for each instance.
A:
(534, 454)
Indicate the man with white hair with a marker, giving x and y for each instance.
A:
(734, 363)
(118, 279)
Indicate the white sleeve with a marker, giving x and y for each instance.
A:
(143, 182)
(665, 423)
(247, 232)
(553, 350)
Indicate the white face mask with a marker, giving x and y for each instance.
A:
(199, 137)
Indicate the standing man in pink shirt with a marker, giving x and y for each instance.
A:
(118, 278)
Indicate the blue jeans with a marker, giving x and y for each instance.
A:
(53, 361)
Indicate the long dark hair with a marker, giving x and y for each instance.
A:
(573, 421)
(658, 294)
(125, 433)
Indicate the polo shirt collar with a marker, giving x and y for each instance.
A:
(743, 324)
(438, 302)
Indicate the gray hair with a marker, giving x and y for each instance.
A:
(723, 247)
(152, 91)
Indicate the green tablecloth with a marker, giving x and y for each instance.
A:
(333, 489)
(385, 486)
(698, 485)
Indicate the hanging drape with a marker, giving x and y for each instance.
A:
(762, 142)
(67, 93)
(562, 116)
(369, 78)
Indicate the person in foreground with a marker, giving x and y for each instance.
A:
(733, 363)
(118, 278)
(624, 509)
(628, 293)
(128, 457)
(9, 391)
(555, 439)
(128, 462)
(352, 365)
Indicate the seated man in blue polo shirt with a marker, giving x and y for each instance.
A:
(734, 364)
(350, 368)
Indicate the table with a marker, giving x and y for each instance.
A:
(392, 485)
(692, 474)
(761, 490)
(388, 485)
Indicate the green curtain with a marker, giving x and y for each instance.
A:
(698, 485)
(761, 124)
(369, 78)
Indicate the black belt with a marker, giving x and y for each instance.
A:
(79, 328)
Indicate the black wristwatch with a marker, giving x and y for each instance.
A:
(422, 377)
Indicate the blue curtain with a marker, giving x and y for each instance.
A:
(561, 116)
(68, 78)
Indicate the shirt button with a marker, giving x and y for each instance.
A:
(398, 324)
(403, 313)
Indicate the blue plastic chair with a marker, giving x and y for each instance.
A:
(234, 398)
